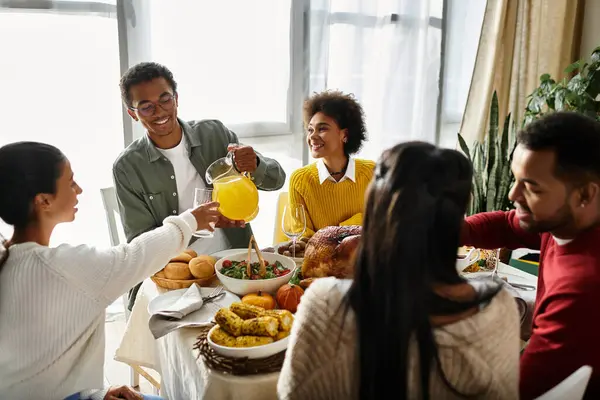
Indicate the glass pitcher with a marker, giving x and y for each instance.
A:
(235, 191)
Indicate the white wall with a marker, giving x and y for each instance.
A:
(590, 38)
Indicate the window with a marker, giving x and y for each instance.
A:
(60, 78)
(231, 60)
(387, 53)
(465, 18)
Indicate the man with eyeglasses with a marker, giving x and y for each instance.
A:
(156, 176)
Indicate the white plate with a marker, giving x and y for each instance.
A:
(263, 351)
(511, 277)
(226, 253)
(202, 316)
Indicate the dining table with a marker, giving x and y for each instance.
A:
(183, 373)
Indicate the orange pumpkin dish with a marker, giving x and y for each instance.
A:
(260, 299)
(288, 297)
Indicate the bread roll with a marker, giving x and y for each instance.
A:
(178, 271)
(202, 266)
(182, 258)
(191, 253)
(161, 274)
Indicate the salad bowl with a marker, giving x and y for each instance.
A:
(232, 274)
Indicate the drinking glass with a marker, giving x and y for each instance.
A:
(202, 196)
(293, 224)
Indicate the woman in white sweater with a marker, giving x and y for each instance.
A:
(408, 326)
(53, 300)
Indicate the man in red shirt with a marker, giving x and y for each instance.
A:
(557, 198)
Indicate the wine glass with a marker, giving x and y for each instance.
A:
(202, 196)
(293, 223)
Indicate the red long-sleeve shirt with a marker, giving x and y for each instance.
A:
(566, 319)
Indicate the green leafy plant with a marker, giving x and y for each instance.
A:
(492, 176)
(579, 93)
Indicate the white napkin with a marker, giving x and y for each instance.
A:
(174, 317)
(189, 302)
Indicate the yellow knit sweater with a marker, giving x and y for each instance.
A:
(330, 203)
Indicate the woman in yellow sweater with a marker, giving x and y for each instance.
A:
(332, 189)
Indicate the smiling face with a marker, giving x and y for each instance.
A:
(324, 136)
(155, 106)
(544, 203)
(61, 206)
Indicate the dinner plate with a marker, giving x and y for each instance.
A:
(225, 253)
(512, 278)
(202, 316)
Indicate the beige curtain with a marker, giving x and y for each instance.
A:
(520, 40)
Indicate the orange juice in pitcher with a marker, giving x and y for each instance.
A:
(237, 196)
(236, 193)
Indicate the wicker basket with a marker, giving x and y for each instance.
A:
(181, 284)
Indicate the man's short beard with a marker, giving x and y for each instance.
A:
(563, 218)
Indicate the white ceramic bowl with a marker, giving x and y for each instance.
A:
(298, 260)
(472, 256)
(242, 287)
(263, 351)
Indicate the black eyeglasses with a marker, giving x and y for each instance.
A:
(166, 102)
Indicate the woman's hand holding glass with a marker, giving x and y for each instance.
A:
(207, 215)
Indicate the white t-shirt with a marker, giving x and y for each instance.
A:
(187, 180)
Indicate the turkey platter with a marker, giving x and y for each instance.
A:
(330, 252)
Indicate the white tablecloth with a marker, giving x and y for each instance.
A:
(186, 377)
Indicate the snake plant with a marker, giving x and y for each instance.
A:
(492, 176)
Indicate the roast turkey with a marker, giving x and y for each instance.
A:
(330, 252)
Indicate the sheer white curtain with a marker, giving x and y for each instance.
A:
(463, 29)
(60, 77)
(231, 59)
(386, 52)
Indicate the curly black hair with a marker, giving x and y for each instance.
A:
(345, 110)
(144, 72)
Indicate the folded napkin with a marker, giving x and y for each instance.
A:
(190, 301)
(174, 317)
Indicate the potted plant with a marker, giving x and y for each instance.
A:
(579, 93)
(492, 176)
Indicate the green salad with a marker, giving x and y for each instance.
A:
(238, 270)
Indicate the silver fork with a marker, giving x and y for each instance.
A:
(217, 292)
(495, 271)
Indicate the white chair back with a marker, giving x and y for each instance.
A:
(117, 236)
(111, 208)
(572, 388)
